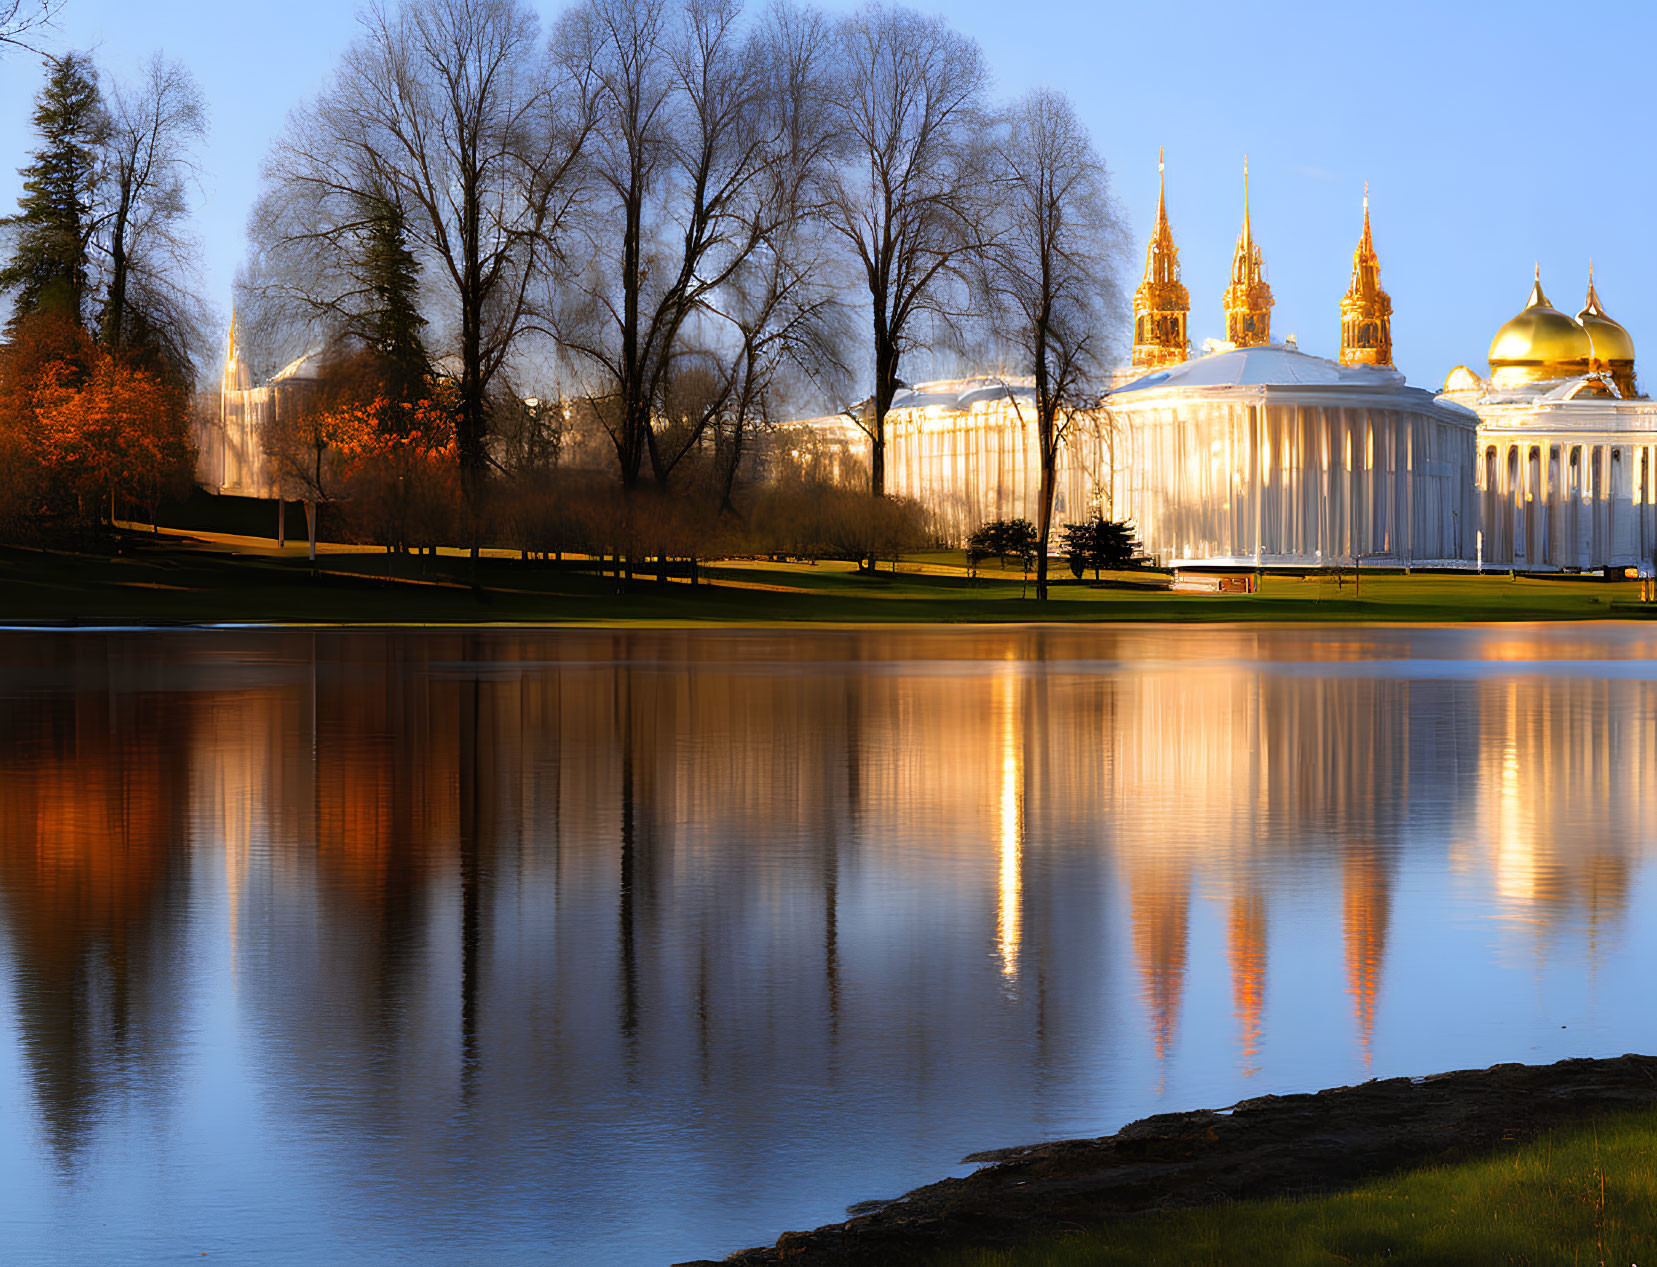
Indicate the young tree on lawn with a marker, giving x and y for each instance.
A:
(309, 439)
(1052, 272)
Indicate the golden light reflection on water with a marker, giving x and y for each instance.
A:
(1009, 894)
(1512, 836)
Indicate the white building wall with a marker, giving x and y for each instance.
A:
(969, 465)
(1254, 476)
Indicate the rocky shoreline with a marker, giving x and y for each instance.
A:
(1275, 1145)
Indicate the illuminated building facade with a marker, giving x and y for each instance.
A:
(1566, 444)
(1254, 454)
(1258, 455)
(1265, 456)
(967, 450)
(229, 423)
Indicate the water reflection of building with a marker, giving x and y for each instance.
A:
(1366, 908)
(1566, 777)
(1216, 770)
(528, 880)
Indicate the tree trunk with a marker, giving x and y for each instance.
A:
(886, 390)
(115, 322)
(281, 523)
(310, 526)
(1049, 479)
(1047, 440)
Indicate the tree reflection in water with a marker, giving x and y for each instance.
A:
(521, 931)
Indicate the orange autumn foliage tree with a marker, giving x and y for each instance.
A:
(121, 434)
(389, 463)
(84, 435)
(402, 465)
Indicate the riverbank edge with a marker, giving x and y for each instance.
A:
(1266, 1147)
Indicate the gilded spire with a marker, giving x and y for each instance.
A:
(1247, 953)
(1162, 202)
(1366, 311)
(1367, 885)
(1537, 298)
(235, 376)
(1161, 304)
(1248, 300)
(1613, 349)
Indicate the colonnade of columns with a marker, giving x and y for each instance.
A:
(1262, 482)
(1567, 501)
(972, 465)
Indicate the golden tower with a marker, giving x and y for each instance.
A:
(1366, 311)
(1613, 349)
(1161, 304)
(1248, 300)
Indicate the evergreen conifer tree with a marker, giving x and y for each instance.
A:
(47, 271)
(391, 275)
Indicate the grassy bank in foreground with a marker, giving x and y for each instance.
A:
(1581, 1195)
(181, 579)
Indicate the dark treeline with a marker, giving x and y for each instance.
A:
(562, 282)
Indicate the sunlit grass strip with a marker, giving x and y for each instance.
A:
(195, 585)
(1581, 1195)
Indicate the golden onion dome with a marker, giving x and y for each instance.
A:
(1540, 343)
(1611, 341)
(1462, 379)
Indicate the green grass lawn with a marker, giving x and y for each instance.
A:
(1583, 1195)
(173, 579)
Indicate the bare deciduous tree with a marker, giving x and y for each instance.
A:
(148, 162)
(693, 176)
(782, 301)
(1052, 271)
(20, 17)
(455, 111)
(908, 191)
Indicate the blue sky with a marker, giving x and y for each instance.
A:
(1494, 136)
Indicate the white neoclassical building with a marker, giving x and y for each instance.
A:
(1265, 456)
(229, 423)
(1566, 445)
(1255, 454)
(1259, 455)
(967, 450)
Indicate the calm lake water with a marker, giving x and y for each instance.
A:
(632, 947)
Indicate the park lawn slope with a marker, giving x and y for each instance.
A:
(1578, 1195)
(174, 580)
